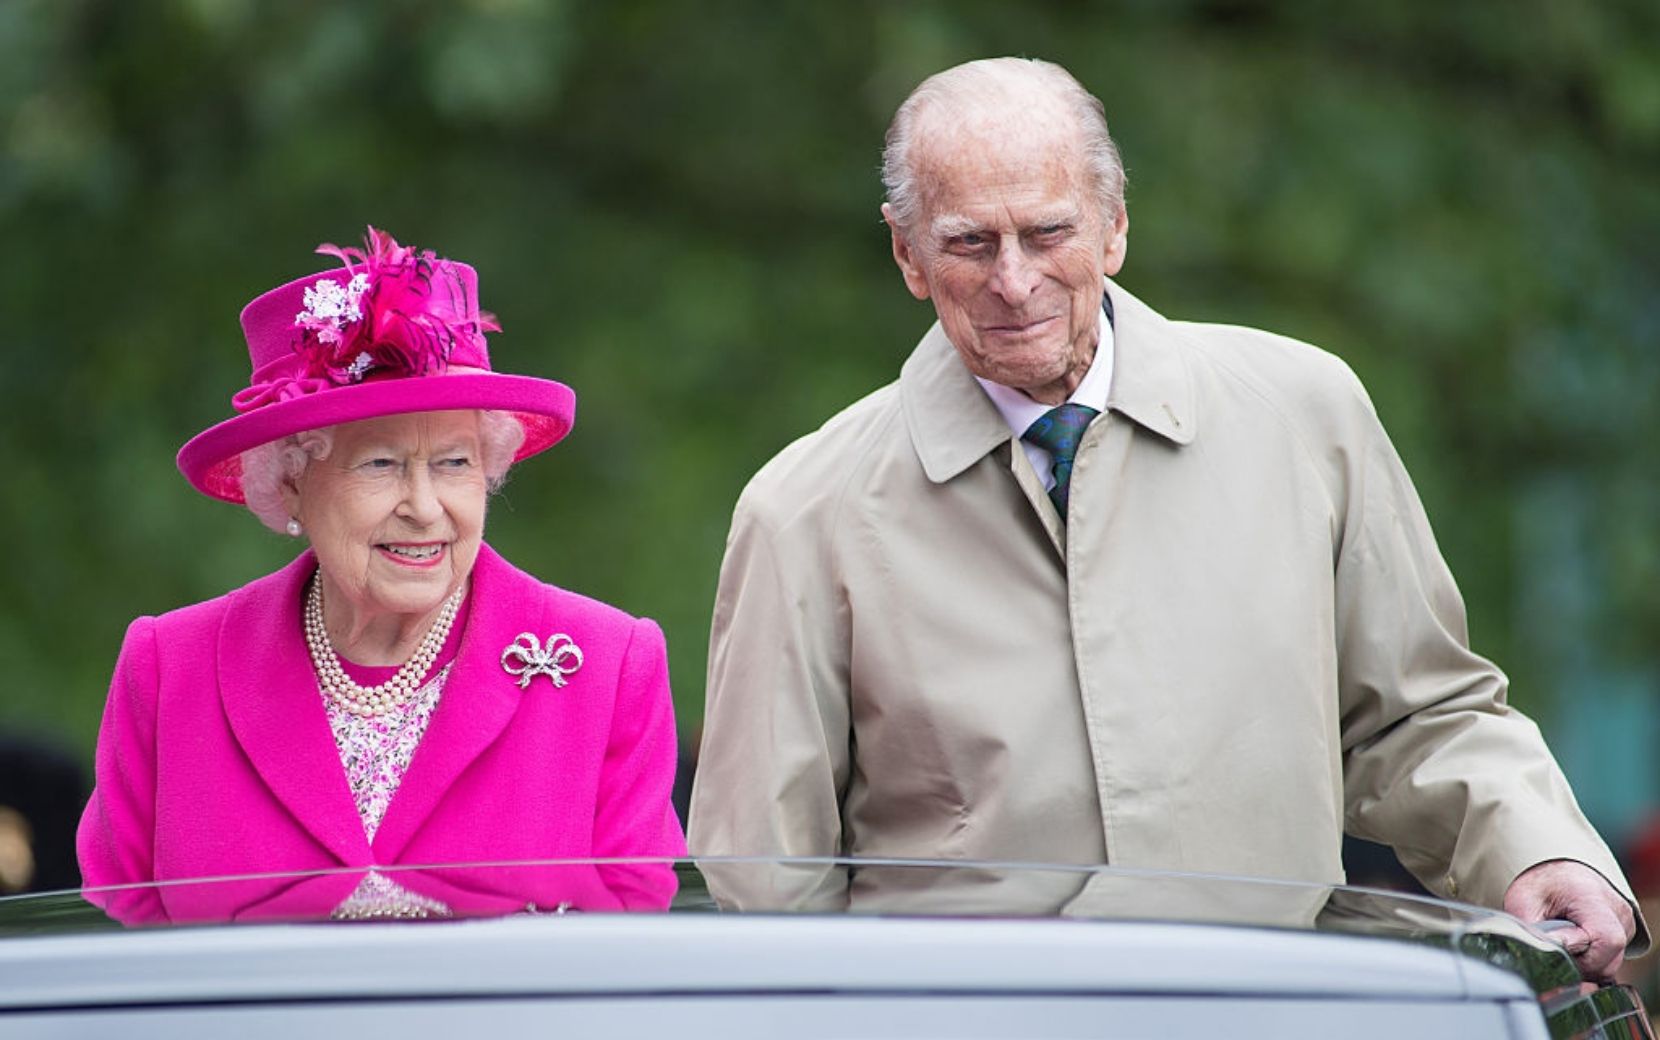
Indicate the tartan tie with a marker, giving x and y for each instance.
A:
(1058, 431)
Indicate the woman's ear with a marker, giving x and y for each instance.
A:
(290, 489)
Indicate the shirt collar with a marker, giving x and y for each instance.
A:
(954, 424)
(1020, 411)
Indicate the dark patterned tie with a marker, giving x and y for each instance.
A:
(1058, 432)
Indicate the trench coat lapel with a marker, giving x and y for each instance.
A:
(478, 701)
(271, 700)
(1151, 383)
(952, 422)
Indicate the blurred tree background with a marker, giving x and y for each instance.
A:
(673, 207)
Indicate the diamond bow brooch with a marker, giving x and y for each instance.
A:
(525, 658)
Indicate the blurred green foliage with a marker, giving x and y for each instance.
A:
(673, 208)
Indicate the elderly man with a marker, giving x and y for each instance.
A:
(1090, 585)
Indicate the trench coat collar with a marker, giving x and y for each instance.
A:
(953, 424)
(1151, 383)
(270, 697)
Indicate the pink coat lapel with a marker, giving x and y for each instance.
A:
(479, 699)
(271, 699)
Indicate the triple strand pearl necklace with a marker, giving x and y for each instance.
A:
(394, 692)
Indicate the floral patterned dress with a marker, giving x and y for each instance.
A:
(375, 751)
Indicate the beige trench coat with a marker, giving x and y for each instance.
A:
(1244, 641)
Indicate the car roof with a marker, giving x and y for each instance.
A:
(610, 954)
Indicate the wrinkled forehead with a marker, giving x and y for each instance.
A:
(996, 152)
(412, 431)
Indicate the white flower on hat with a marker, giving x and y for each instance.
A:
(360, 365)
(330, 306)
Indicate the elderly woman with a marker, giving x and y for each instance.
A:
(399, 694)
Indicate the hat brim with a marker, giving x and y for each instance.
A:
(212, 460)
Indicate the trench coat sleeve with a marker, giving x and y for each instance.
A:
(115, 840)
(634, 816)
(775, 755)
(1435, 761)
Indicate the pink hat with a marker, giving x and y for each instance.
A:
(395, 331)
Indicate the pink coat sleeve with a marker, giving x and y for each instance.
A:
(634, 815)
(116, 839)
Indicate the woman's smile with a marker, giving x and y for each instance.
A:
(413, 554)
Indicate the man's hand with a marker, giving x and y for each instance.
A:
(1570, 890)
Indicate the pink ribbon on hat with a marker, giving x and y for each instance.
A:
(282, 388)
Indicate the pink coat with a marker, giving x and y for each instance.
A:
(215, 755)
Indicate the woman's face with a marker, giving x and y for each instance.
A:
(395, 512)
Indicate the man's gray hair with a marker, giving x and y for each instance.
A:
(267, 467)
(959, 86)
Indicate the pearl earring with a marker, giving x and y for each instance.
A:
(293, 528)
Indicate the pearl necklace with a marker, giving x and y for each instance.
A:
(394, 692)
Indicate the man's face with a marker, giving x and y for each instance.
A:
(1011, 246)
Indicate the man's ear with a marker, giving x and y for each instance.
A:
(1118, 243)
(906, 257)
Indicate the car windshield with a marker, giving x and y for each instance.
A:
(891, 887)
